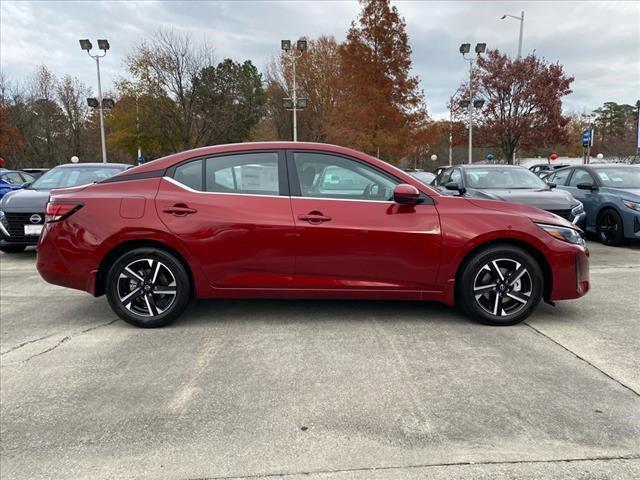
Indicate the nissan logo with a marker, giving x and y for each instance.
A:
(35, 218)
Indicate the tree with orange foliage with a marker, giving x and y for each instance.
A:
(10, 138)
(317, 71)
(379, 103)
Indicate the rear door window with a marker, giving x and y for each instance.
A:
(254, 173)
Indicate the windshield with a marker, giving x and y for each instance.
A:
(62, 177)
(503, 178)
(424, 177)
(619, 177)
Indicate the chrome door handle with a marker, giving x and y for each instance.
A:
(179, 210)
(314, 218)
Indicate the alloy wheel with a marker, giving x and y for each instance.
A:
(608, 227)
(146, 287)
(502, 287)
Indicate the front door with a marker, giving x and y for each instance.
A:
(589, 198)
(233, 213)
(350, 233)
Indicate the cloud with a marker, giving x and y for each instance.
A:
(597, 42)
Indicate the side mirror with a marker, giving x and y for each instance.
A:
(26, 184)
(406, 194)
(455, 187)
(552, 184)
(586, 186)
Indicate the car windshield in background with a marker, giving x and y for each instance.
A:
(73, 176)
(619, 177)
(424, 177)
(502, 178)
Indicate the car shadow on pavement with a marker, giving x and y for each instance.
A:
(307, 311)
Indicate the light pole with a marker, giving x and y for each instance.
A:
(294, 103)
(471, 103)
(521, 19)
(450, 133)
(103, 45)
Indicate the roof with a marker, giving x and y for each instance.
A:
(93, 165)
(486, 165)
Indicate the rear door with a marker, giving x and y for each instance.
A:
(351, 235)
(233, 213)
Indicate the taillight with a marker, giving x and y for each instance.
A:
(59, 211)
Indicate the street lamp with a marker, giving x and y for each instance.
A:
(103, 45)
(294, 103)
(470, 103)
(521, 19)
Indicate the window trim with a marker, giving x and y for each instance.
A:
(283, 185)
(296, 191)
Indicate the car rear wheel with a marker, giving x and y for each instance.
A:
(148, 287)
(12, 248)
(500, 285)
(610, 228)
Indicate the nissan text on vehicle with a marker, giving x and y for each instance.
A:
(301, 221)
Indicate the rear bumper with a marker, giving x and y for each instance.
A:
(60, 262)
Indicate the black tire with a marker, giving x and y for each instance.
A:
(610, 228)
(514, 294)
(12, 248)
(133, 280)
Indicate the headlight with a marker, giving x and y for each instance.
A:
(563, 233)
(578, 209)
(632, 205)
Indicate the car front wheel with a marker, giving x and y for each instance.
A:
(610, 228)
(148, 287)
(500, 285)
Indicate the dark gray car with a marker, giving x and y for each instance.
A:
(512, 184)
(22, 211)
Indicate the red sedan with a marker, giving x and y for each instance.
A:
(301, 220)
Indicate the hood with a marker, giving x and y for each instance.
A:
(24, 200)
(544, 199)
(535, 214)
(632, 194)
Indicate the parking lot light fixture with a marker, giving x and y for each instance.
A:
(465, 48)
(480, 47)
(93, 102)
(85, 44)
(478, 103)
(103, 45)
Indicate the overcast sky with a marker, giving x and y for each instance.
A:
(597, 42)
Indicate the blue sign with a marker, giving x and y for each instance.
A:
(586, 137)
(490, 157)
(140, 160)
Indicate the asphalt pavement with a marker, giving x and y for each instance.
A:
(320, 390)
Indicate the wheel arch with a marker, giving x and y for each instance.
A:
(118, 250)
(527, 247)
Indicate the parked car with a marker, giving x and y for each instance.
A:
(22, 212)
(35, 172)
(301, 220)
(11, 180)
(424, 177)
(544, 169)
(512, 184)
(611, 197)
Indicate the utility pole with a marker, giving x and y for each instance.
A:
(471, 103)
(521, 20)
(103, 45)
(294, 103)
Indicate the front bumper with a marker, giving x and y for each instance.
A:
(12, 228)
(570, 273)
